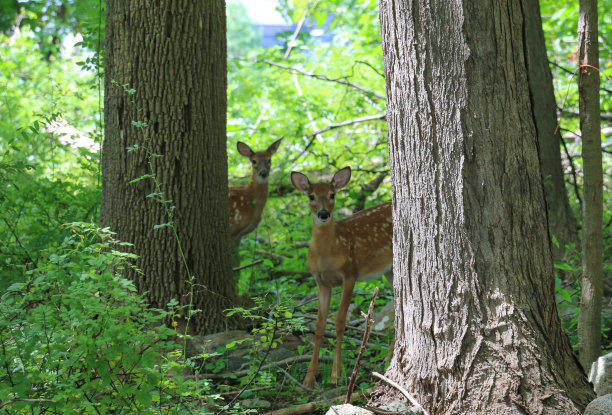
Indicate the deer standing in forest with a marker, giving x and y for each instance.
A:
(341, 252)
(247, 202)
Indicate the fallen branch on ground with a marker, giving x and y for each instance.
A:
(272, 255)
(401, 389)
(305, 408)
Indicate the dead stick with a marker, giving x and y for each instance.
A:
(402, 390)
(310, 407)
(3, 404)
(364, 342)
(306, 408)
(252, 264)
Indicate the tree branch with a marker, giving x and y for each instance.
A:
(3, 404)
(252, 264)
(572, 169)
(13, 231)
(349, 122)
(338, 125)
(311, 7)
(305, 408)
(312, 75)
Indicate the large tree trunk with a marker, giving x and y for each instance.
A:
(589, 322)
(561, 220)
(173, 53)
(476, 322)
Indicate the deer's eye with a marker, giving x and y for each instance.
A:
(254, 162)
(332, 196)
(311, 197)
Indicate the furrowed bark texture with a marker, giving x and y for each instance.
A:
(173, 53)
(589, 322)
(561, 221)
(476, 323)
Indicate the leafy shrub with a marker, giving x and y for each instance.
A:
(75, 336)
(32, 209)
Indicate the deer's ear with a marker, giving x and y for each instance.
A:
(341, 178)
(300, 181)
(274, 146)
(244, 149)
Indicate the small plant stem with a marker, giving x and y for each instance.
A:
(149, 154)
(259, 367)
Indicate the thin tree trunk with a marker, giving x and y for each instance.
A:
(476, 322)
(589, 321)
(173, 54)
(561, 220)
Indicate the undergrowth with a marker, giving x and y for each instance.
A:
(75, 337)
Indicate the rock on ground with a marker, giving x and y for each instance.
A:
(397, 407)
(348, 409)
(600, 406)
(600, 375)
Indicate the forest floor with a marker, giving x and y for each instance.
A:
(266, 376)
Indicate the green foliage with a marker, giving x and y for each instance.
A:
(75, 336)
(33, 208)
(53, 21)
(560, 20)
(242, 34)
(48, 165)
(568, 291)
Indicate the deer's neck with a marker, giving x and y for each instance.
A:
(323, 235)
(258, 190)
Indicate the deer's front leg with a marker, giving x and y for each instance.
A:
(313, 368)
(347, 293)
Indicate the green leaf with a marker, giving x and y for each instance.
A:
(163, 225)
(144, 176)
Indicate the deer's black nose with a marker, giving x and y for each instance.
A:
(323, 214)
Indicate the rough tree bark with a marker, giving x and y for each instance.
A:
(561, 220)
(476, 322)
(589, 321)
(173, 53)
